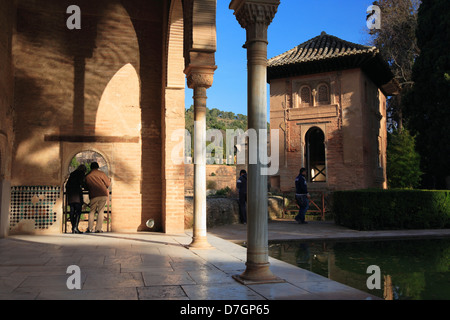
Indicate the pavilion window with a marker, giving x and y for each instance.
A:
(323, 94)
(305, 96)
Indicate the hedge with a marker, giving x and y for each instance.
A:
(392, 209)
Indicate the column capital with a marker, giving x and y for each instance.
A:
(253, 12)
(200, 76)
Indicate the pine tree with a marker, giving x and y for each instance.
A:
(403, 162)
(427, 106)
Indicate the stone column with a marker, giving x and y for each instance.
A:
(199, 79)
(255, 16)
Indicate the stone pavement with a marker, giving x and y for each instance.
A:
(154, 266)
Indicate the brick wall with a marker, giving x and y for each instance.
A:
(6, 110)
(96, 89)
(218, 176)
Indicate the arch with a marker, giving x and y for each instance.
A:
(175, 36)
(79, 148)
(305, 95)
(118, 112)
(89, 156)
(315, 155)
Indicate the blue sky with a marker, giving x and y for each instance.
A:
(295, 22)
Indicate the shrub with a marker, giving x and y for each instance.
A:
(392, 209)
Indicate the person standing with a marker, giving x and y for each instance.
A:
(241, 185)
(74, 190)
(301, 196)
(97, 182)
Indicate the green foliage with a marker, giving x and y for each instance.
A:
(403, 162)
(216, 119)
(375, 209)
(223, 192)
(427, 104)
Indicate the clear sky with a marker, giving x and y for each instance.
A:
(295, 22)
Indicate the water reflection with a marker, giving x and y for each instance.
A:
(410, 269)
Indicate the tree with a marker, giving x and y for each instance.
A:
(427, 106)
(396, 40)
(403, 162)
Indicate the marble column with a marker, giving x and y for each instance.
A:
(255, 16)
(199, 79)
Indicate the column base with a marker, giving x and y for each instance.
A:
(257, 274)
(200, 243)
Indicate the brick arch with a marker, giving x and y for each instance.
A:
(175, 41)
(76, 149)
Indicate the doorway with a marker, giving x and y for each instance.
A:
(315, 155)
(86, 158)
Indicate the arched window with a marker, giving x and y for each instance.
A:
(323, 94)
(305, 96)
(315, 155)
(86, 158)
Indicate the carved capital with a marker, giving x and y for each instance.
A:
(254, 12)
(200, 77)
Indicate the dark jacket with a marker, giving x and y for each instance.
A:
(300, 185)
(241, 184)
(74, 187)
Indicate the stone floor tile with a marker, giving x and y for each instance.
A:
(162, 293)
(155, 270)
(48, 282)
(124, 260)
(113, 280)
(280, 291)
(220, 292)
(6, 270)
(127, 293)
(210, 276)
(167, 279)
(11, 282)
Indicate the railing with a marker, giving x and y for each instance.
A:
(317, 205)
(85, 211)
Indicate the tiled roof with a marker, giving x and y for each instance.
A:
(322, 47)
(326, 53)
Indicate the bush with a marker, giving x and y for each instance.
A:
(392, 209)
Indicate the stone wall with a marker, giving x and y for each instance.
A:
(217, 177)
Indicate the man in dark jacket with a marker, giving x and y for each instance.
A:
(241, 185)
(301, 196)
(74, 190)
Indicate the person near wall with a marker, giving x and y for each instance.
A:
(97, 182)
(241, 185)
(74, 191)
(301, 196)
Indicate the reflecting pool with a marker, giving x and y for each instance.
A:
(409, 269)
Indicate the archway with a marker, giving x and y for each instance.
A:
(86, 158)
(315, 155)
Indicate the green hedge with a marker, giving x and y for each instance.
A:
(392, 209)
